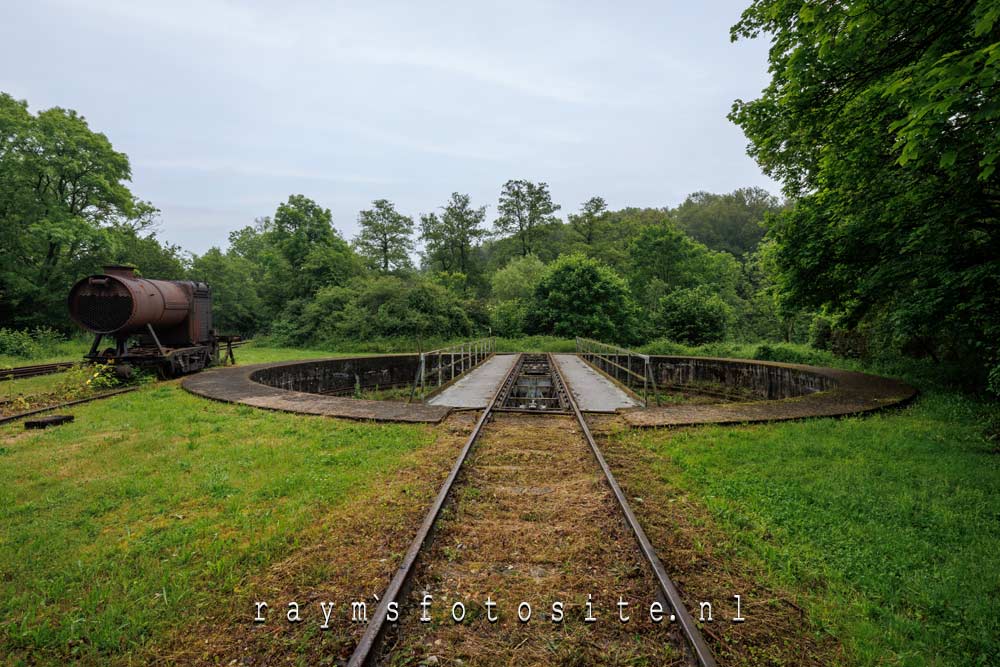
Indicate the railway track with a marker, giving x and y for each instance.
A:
(19, 372)
(64, 404)
(526, 509)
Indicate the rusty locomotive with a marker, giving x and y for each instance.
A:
(169, 322)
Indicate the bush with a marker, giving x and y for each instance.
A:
(39, 342)
(518, 280)
(793, 354)
(508, 318)
(693, 315)
(386, 307)
(820, 332)
(580, 296)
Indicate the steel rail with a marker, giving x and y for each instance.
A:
(366, 651)
(66, 404)
(18, 372)
(691, 632)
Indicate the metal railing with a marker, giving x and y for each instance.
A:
(625, 366)
(439, 367)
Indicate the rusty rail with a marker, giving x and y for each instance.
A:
(367, 649)
(18, 372)
(690, 629)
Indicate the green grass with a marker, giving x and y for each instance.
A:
(888, 525)
(154, 505)
(70, 350)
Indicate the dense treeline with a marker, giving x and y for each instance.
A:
(694, 273)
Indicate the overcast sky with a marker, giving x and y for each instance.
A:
(226, 108)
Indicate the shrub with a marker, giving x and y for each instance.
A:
(580, 296)
(386, 307)
(793, 354)
(34, 344)
(518, 279)
(693, 315)
(508, 318)
(820, 332)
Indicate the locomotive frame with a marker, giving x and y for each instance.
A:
(168, 322)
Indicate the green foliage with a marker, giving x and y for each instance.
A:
(518, 279)
(821, 333)
(580, 296)
(450, 240)
(236, 305)
(35, 344)
(384, 307)
(64, 210)
(509, 318)
(880, 121)
(274, 268)
(587, 223)
(385, 238)
(663, 258)
(693, 315)
(524, 207)
(731, 222)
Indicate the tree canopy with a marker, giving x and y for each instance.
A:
(524, 207)
(385, 239)
(880, 120)
(65, 209)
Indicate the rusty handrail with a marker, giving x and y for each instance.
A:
(463, 357)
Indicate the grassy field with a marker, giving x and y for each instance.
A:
(153, 505)
(888, 526)
(886, 529)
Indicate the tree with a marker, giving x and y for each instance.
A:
(580, 296)
(236, 304)
(294, 254)
(663, 258)
(731, 222)
(451, 238)
(518, 279)
(385, 237)
(591, 215)
(524, 206)
(881, 122)
(62, 189)
(693, 315)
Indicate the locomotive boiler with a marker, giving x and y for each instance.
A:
(165, 325)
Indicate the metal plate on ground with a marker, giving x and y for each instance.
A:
(50, 420)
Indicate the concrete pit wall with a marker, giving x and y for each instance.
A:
(753, 379)
(340, 377)
(740, 379)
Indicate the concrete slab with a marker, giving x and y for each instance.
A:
(478, 386)
(592, 390)
(235, 385)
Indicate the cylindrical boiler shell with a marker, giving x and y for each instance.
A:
(116, 304)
